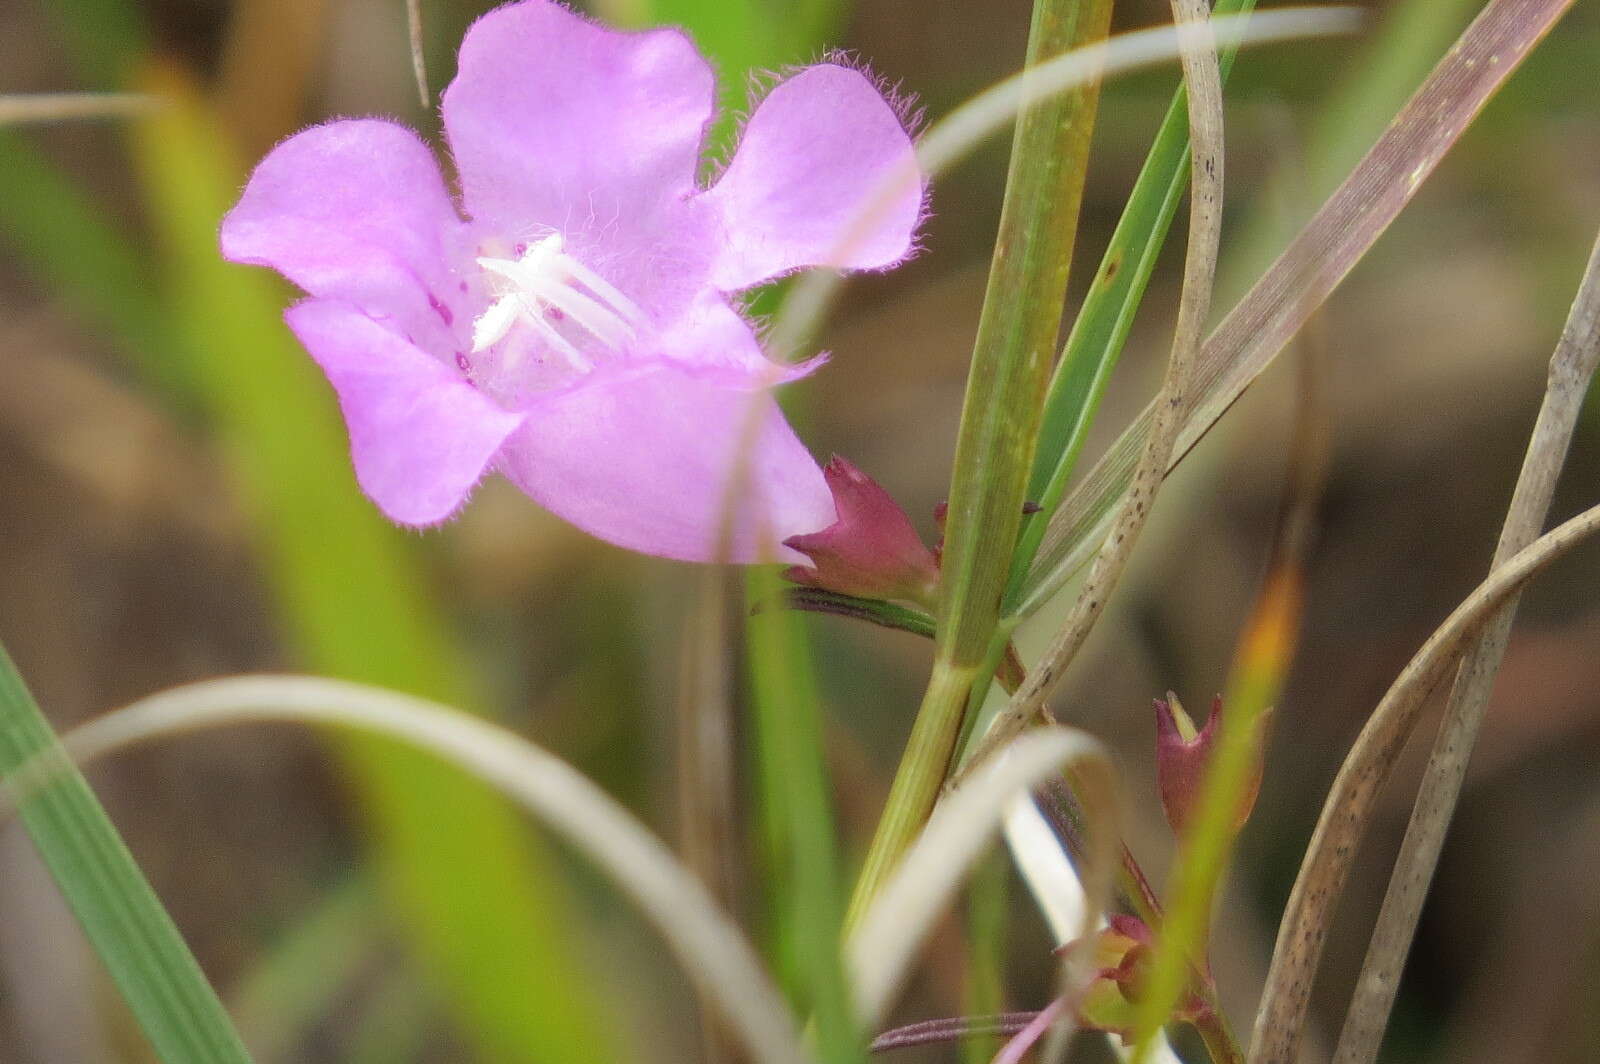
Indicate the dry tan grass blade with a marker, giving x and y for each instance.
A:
(1348, 807)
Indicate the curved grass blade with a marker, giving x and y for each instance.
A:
(882, 944)
(1572, 367)
(709, 945)
(133, 935)
(1325, 251)
(1348, 807)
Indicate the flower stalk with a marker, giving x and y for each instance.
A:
(1011, 366)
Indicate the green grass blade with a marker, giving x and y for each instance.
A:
(798, 813)
(105, 38)
(1095, 343)
(124, 920)
(1266, 649)
(983, 992)
(473, 892)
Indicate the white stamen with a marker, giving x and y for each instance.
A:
(545, 279)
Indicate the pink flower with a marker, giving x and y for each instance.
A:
(578, 330)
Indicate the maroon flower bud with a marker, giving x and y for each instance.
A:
(1183, 755)
(871, 550)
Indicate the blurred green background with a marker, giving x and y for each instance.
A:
(175, 503)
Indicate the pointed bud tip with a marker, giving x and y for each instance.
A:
(871, 550)
(1184, 755)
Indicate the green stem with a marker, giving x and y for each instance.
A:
(1011, 362)
(916, 783)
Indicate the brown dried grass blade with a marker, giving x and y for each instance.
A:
(40, 108)
(1280, 1021)
(1572, 366)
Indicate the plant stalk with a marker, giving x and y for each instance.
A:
(1011, 365)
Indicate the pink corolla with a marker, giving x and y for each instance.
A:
(574, 323)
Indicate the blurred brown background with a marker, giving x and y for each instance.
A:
(126, 565)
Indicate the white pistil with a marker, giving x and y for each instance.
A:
(544, 282)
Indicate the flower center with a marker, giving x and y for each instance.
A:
(544, 285)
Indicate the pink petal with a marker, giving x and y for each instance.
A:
(821, 149)
(355, 210)
(709, 334)
(420, 435)
(642, 458)
(559, 122)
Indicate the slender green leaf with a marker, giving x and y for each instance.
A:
(1101, 329)
(81, 255)
(285, 993)
(1266, 649)
(795, 788)
(112, 900)
(984, 991)
(105, 38)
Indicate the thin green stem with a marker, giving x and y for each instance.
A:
(1000, 416)
(916, 784)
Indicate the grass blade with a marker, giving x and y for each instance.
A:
(1572, 366)
(1204, 98)
(1348, 807)
(123, 918)
(793, 766)
(83, 256)
(1098, 334)
(1265, 652)
(710, 947)
(1330, 245)
(46, 107)
(882, 944)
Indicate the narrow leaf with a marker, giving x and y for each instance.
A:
(132, 933)
(709, 945)
(1330, 245)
